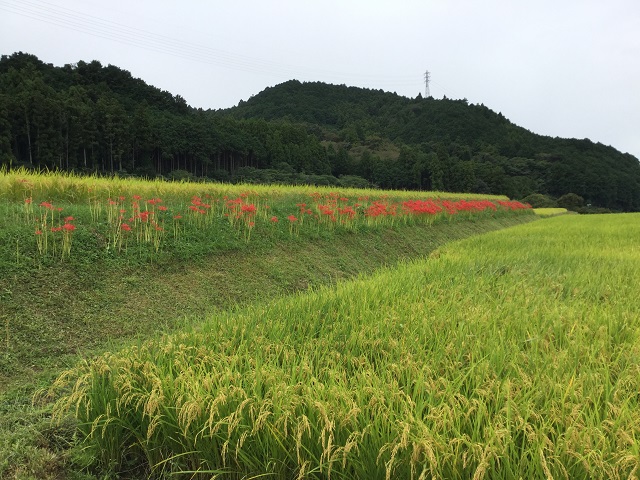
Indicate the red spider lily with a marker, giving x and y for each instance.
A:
(126, 227)
(249, 209)
(316, 196)
(251, 224)
(292, 218)
(38, 232)
(513, 205)
(421, 207)
(274, 219)
(177, 217)
(450, 207)
(56, 229)
(68, 219)
(28, 200)
(137, 197)
(69, 227)
(121, 198)
(47, 205)
(162, 208)
(377, 209)
(325, 210)
(348, 212)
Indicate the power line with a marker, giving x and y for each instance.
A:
(72, 20)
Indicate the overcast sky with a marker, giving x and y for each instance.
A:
(566, 68)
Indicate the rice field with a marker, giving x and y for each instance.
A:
(16, 185)
(550, 212)
(509, 355)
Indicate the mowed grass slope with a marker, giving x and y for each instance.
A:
(509, 355)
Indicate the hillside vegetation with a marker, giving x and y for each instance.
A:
(92, 118)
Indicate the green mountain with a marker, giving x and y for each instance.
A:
(449, 144)
(94, 118)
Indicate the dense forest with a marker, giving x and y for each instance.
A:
(87, 117)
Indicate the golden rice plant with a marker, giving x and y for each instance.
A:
(510, 355)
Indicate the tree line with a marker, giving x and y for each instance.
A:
(87, 117)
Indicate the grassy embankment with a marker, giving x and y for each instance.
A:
(508, 355)
(109, 288)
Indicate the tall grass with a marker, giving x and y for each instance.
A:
(511, 355)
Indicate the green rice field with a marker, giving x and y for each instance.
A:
(514, 354)
(550, 212)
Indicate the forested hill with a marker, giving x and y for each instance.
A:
(356, 113)
(461, 146)
(94, 118)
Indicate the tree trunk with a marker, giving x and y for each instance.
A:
(26, 117)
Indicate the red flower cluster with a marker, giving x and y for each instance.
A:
(421, 207)
(381, 209)
(198, 206)
(514, 205)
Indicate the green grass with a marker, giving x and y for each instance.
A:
(508, 355)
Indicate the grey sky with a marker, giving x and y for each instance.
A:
(566, 68)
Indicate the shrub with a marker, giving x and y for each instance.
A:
(571, 201)
(538, 200)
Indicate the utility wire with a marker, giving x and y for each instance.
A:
(73, 20)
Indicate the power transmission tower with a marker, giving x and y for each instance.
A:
(427, 77)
